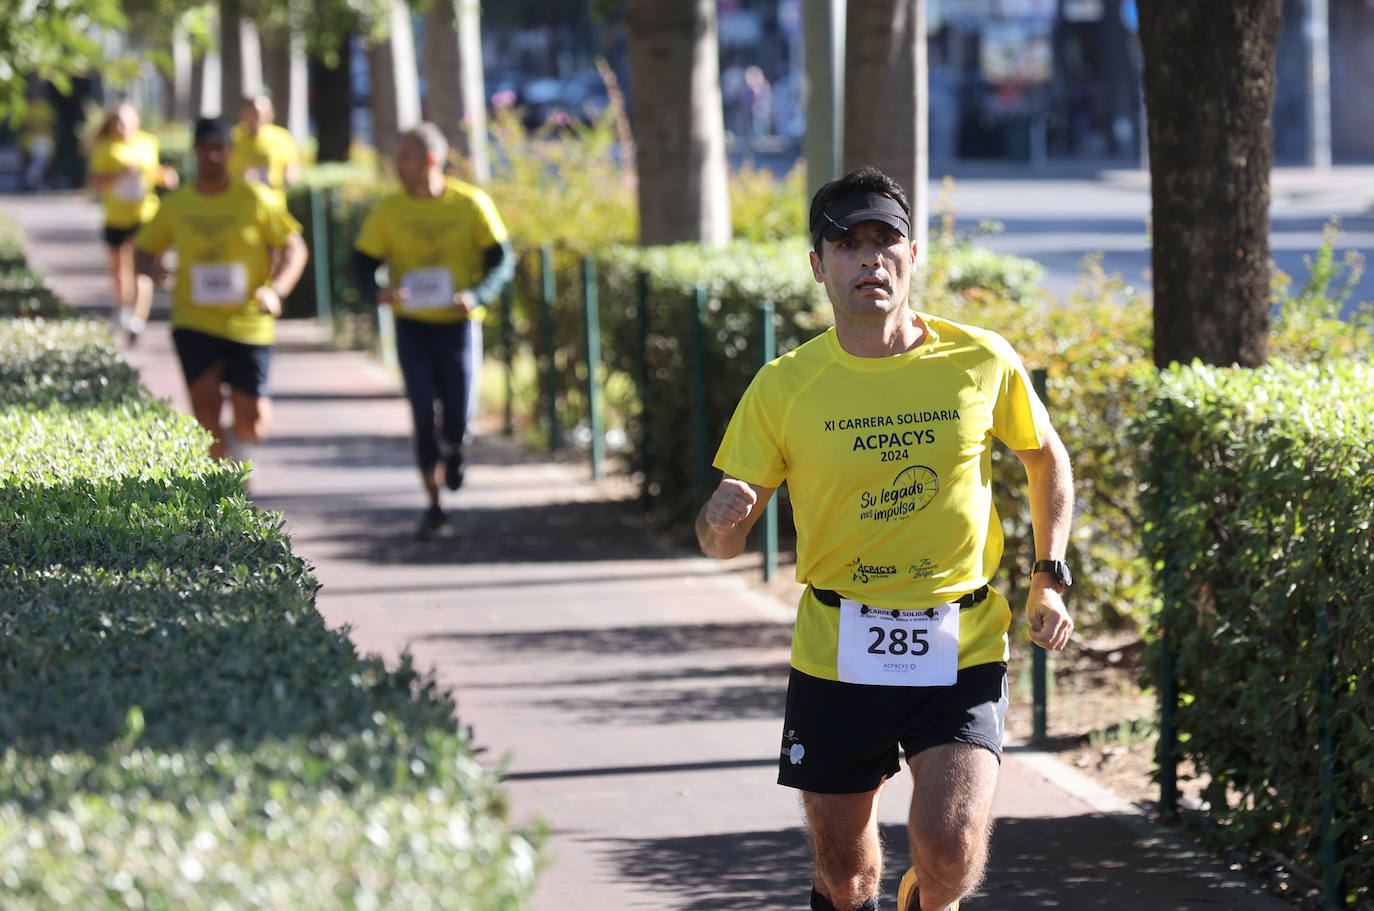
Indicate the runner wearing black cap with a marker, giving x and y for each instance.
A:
(238, 254)
(882, 428)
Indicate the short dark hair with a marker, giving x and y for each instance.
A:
(209, 129)
(866, 179)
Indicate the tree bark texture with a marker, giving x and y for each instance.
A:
(240, 59)
(230, 59)
(395, 82)
(456, 101)
(1209, 88)
(886, 100)
(331, 88)
(284, 74)
(679, 126)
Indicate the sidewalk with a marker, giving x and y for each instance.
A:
(632, 693)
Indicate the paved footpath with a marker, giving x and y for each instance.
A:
(632, 693)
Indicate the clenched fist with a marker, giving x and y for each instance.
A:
(726, 518)
(730, 504)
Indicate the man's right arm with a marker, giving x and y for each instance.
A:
(365, 275)
(724, 522)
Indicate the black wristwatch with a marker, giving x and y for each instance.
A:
(1057, 568)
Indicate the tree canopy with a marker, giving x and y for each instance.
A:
(58, 40)
(52, 40)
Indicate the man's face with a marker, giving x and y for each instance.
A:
(254, 115)
(212, 158)
(866, 271)
(412, 166)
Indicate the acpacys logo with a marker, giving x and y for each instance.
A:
(863, 572)
(910, 492)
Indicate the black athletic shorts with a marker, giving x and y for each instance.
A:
(118, 237)
(245, 366)
(842, 738)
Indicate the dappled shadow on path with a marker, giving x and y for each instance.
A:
(1077, 862)
(648, 684)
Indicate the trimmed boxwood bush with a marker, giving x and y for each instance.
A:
(66, 362)
(1259, 506)
(178, 727)
(24, 293)
(11, 244)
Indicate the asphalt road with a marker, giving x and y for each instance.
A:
(1057, 217)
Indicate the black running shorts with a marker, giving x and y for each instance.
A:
(118, 237)
(842, 738)
(245, 366)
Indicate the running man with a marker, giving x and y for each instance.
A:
(448, 255)
(262, 151)
(882, 428)
(238, 254)
(125, 169)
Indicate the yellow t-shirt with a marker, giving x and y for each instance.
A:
(224, 242)
(267, 154)
(40, 123)
(130, 200)
(433, 246)
(888, 462)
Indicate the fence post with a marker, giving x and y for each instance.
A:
(319, 235)
(386, 336)
(1168, 691)
(593, 317)
(1333, 896)
(550, 365)
(642, 349)
(699, 432)
(1040, 688)
(767, 347)
(507, 331)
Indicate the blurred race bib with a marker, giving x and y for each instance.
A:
(129, 187)
(218, 284)
(428, 289)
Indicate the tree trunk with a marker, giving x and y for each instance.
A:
(823, 42)
(182, 82)
(284, 72)
(678, 122)
(886, 99)
(230, 60)
(395, 82)
(453, 71)
(331, 89)
(1209, 89)
(240, 58)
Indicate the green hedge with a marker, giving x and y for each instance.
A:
(70, 362)
(11, 243)
(178, 727)
(1259, 509)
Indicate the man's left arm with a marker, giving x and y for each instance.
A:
(1050, 484)
(498, 268)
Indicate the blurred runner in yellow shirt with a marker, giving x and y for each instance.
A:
(37, 136)
(448, 255)
(238, 254)
(262, 151)
(124, 168)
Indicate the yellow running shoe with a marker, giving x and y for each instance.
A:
(906, 893)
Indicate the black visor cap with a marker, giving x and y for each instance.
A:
(848, 211)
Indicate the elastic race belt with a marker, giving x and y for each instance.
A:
(831, 598)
